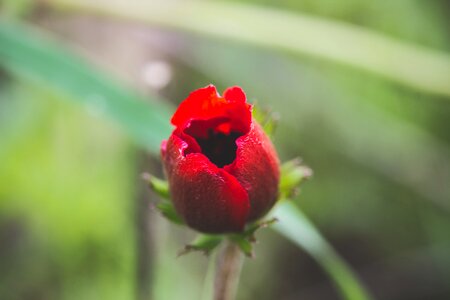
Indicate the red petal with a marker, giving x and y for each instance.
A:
(208, 198)
(235, 94)
(200, 128)
(256, 167)
(206, 103)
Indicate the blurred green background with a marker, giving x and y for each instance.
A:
(86, 91)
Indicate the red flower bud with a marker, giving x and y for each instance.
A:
(222, 168)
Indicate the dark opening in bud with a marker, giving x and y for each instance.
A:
(219, 147)
(216, 139)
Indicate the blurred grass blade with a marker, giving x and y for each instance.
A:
(408, 64)
(30, 55)
(295, 226)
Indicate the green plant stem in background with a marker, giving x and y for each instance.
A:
(408, 64)
(296, 227)
(208, 281)
(228, 270)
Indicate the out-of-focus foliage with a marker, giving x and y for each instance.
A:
(38, 60)
(295, 33)
(66, 181)
(69, 179)
(391, 18)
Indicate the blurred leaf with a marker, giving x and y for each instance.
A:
(30, 55)
(408, 64)
(66, 181)
(16, 8)
(295, 226)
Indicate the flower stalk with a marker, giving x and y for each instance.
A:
(228, 270)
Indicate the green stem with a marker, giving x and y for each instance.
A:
(228, 269)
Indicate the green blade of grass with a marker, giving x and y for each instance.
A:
(30, 55)
(411, 65)
(296, 227)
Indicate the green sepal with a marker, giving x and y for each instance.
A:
(252, 228)
(204, 243)
(168, 210)
(266, 118)
(165, 206)
(159, 186)
(293, 173)
(246, 239)
(245, 243)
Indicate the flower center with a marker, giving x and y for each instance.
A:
(216, 138)
(220, 148)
